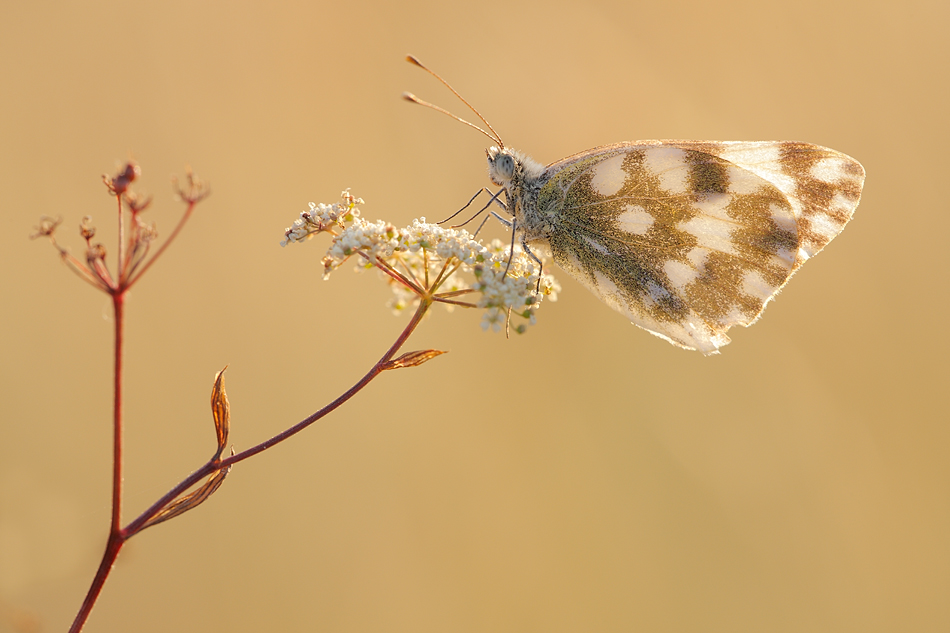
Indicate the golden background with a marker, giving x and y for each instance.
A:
(584, 477)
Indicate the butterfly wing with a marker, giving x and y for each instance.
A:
(687, 238)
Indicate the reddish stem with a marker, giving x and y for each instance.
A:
(120, 272)
(113, 545)
(215, 465)
(161, 249)
(118, 306)
(118, 536)
(117, 289)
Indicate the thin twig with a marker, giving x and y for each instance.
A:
(118, 537)
(213, 466)
(161, 249)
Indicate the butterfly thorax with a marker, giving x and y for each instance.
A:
(522, 177)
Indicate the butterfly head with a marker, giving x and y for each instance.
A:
(510, 168)
(501, 165)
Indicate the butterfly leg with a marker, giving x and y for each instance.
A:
(511, 248)
(467, 205)
(505, 221)
(491, 214)
(494, 198)
(524, 246)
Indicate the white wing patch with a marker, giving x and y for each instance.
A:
(754, 285)
(715, 206)
(711, 233)
(635, 219)
(608, 176)
(596, 245)
(680, 274)
(782, 218)
(742, 181)
(829, 169)
(667, 164)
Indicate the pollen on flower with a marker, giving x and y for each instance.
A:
(425, 260)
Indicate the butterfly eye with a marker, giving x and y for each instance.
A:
(502, 169)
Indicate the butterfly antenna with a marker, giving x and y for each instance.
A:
(408, 96)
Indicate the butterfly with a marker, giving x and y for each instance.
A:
(685, 238)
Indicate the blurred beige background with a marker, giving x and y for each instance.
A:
(584, 477)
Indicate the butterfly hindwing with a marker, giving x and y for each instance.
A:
(690, 238)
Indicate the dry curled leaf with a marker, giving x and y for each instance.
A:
(412, 359)
(221, 410)
(191, 500)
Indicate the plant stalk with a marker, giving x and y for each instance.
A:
(118, 535)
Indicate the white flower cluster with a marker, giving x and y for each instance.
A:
(442, 261)
(322, 218)
(513, 286)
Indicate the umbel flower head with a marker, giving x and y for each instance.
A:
(428, 262)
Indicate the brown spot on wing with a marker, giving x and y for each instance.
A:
(717, 290)
(707, 173)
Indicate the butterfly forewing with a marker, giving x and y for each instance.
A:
(822, 185)
(690, 238)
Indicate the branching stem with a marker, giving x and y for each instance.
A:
(119, 535)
